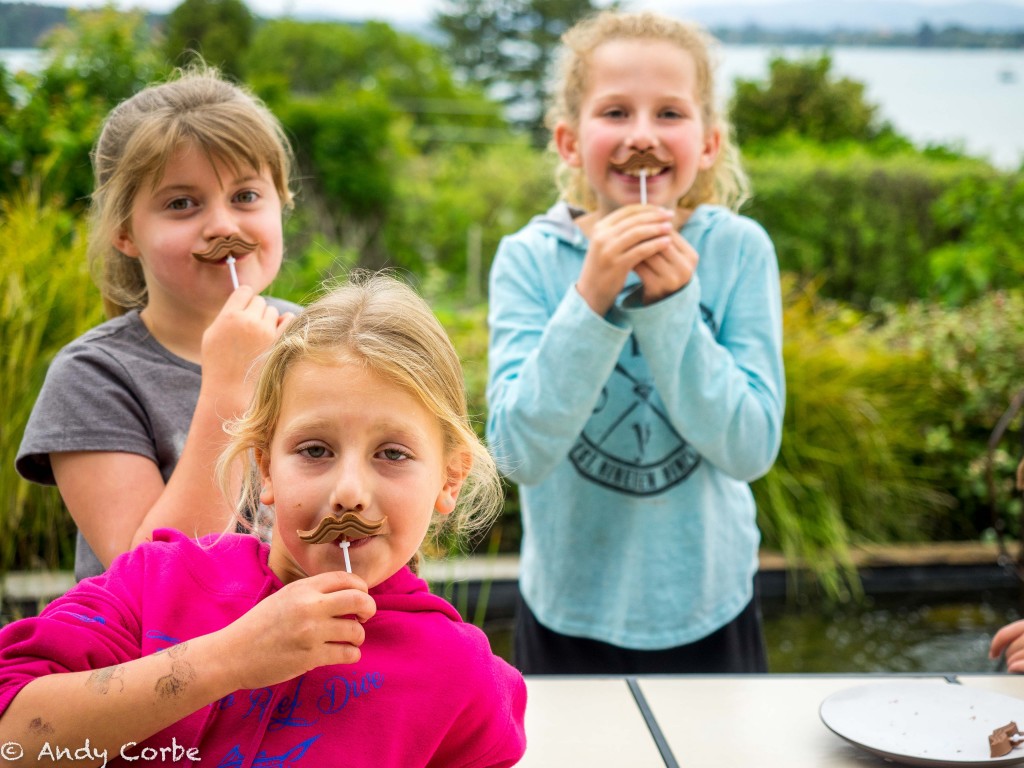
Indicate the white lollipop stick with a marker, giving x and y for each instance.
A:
(643, 187)
(234, 281)
(344, 548)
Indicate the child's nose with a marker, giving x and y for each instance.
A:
(220, 221)
(642, 134)
(351, 492)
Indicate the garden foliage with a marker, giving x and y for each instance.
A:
(884, 226)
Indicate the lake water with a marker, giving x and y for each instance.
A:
(20, 58)
(970, 98)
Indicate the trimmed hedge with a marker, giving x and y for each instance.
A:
(866, 226)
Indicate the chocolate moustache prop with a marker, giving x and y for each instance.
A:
(645, 160)
(226, 248)
(641, 164)
(351, 525)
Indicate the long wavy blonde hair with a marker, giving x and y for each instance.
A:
(725, 183)
(380, 322)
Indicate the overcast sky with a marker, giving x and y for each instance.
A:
(414, 11)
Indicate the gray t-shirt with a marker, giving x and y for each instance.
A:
(115, 388)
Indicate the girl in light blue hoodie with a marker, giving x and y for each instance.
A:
(636, 383)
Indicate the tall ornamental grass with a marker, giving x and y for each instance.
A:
(848, 468)
(47, 299)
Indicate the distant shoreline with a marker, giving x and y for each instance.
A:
(23, 25)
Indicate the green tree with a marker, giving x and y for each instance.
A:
(100, 58)
(358, 102)
(349, 149)
(297, 59)
(509, 47)
(220, 31)
(802, 97)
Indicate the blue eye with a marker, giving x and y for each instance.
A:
(394, 454)
(179, 204)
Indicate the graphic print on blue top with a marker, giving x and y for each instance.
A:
(629, 443)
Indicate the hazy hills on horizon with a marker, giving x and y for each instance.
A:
(22, 22)
(872, 15)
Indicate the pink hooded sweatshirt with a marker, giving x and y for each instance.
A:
(427, 691)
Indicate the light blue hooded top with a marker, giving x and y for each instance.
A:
(633, 437)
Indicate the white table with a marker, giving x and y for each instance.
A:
(768, 721)
(1004, 683)
(696, 721)
(586, 721)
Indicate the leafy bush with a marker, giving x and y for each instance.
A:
(863, 224)
(349, 152)
(982, 220)
(220, 31)
(318, 58)
(973, 370)
(802, 97)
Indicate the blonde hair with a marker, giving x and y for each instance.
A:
(380, 322)
(198, 108)
(725, 183)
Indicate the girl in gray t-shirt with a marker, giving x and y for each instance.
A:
(129, 421)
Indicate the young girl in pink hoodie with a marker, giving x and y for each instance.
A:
(322, 648)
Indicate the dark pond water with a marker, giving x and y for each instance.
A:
(891, 633)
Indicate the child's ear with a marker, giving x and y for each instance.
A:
(125, 243)
(459, 465)
(267, 486)
(709, 152)
(568, 145)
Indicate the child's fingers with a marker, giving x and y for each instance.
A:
(283, 321)
(271, 315)
(239, 298)
(257, 320)
(1015, 662)
(620, 232)
(347, 594)
(1005, 637)
(619, 242)
(627, 213)
(669, 270)
(648, 249)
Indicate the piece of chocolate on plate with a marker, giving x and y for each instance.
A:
(1002, 740)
